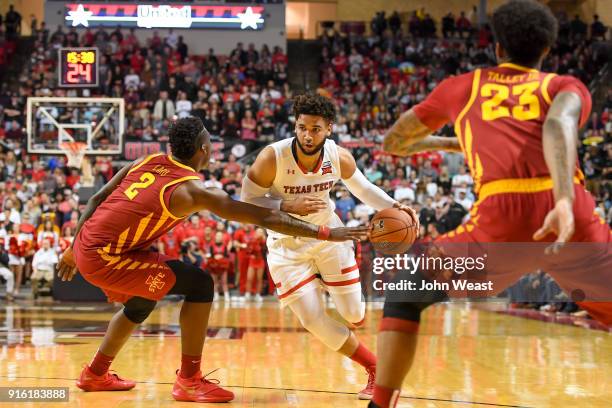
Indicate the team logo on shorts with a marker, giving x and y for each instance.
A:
(156, 283)
(326, 168)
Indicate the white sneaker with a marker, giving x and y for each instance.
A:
(258, 298)
(226, 296)
(247, 297)
(215, 297)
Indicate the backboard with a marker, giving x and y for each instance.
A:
(97, 122)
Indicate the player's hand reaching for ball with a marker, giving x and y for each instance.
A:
(304, 205)
(410, 211)
(559, 221)
(349, 233)
(66, 268)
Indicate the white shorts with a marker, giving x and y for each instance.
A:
(299, 265)
(15, 260)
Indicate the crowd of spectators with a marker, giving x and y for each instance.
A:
(244, 97)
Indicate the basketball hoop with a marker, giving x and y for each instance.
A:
(74, 151)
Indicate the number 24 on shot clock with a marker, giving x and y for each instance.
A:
(78, 67)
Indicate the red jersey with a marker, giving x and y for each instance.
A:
(243, 237)
(256, 247)
(171, 244)
(136, 214)
(189, 231)
(208, 222)
(498, 114)
(218, 249)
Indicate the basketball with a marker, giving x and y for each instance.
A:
(393, 231)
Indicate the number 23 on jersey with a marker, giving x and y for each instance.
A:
(528, 106)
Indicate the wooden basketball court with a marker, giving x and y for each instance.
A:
(467, 357)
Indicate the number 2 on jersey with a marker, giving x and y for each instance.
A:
(528, 106)
(146, 179)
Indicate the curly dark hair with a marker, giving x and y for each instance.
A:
(183, 134)
(524, 28)
(314, 104)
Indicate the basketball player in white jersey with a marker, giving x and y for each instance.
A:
(296, 175)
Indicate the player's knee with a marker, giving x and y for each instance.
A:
(402, 310)
(352, 312)
(310, 321)
(192, 282)
(137, 309)
(203, 288)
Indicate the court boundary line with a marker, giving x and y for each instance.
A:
(296, 389)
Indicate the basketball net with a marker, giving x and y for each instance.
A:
(75, 152)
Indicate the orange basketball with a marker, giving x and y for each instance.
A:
(393, 231)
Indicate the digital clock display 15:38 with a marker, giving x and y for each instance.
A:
(78, 67)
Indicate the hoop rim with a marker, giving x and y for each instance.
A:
(73, 146)
(74, 152)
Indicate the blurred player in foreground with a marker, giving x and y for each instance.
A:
(517, 128)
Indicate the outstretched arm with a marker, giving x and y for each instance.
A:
(192, 197)
(405, 132)
(359, 185)
(559, 138)
(370, 194)
(434, 143)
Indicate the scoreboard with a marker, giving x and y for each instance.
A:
(78, 67)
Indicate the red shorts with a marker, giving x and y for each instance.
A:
(503, 225)
(256, 263)
(121, 277)
(218, 266)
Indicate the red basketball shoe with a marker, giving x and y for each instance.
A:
(199, 389)
(368, 391)
(88, 381)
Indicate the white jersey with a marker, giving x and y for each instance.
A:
(292, 181)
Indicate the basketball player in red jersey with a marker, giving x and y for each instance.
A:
(140, 204)
(517, 128)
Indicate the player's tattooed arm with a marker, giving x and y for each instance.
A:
(559, 139)
(405, 132)
(192, 197)
(434, 143)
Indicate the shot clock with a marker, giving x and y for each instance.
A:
(78, 67)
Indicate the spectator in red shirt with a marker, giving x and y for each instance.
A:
(279, 57)
(248, 125)
(464, 26)
(169, 245)
(218, 264)
(256, 250)
(340, 62)
(241, 238)
(193, 230)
